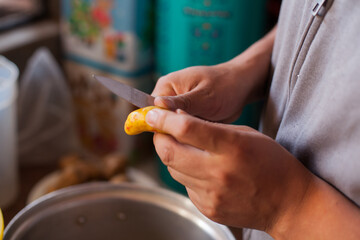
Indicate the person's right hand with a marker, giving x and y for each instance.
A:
(214, 93)
(218, 93)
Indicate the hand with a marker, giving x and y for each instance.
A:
(242, 178)
(209, 92)
(233, 174)
(218, 93)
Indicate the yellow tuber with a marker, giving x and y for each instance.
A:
(135, 122)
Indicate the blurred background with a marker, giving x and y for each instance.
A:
(57, 123)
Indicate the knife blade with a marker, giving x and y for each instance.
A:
(130, 94)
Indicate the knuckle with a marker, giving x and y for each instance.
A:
(186, 103)
(172, 173)
(210, 213)
(165, 80)
(161, 122)
(167, 156)
(162, 80)
(223, 177)
(245, 152)
(171, 76)
(184, 128)
(213, 211)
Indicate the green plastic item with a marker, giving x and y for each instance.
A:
(206, 32)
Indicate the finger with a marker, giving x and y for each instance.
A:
(196, 200)
(194, 197)
(186, 180)
(185, 90)
(190, 130)
(193, 102)
(163, 91)
(232, 118)
(183, 158)
(243, 128)
(164, 87)
(187, 101)
(202, 201)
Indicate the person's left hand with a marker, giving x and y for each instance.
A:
(233, 174)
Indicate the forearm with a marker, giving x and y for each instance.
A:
(324, 214)
(256, 60)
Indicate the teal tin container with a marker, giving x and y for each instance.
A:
(206, 32)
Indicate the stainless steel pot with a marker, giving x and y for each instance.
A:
(105, 211)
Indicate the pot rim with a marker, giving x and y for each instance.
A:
(157, 196)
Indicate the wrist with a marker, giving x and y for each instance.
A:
(294, 207)
(252, 67)
(250, 71)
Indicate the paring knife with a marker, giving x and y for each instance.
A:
(130, 94)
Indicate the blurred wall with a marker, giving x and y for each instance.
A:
(19, 43)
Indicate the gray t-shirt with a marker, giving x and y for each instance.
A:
(313, 104)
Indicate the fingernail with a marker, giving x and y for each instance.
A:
(151, 117)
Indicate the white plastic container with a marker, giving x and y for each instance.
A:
(8, 161)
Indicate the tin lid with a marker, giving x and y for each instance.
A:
(8, 76)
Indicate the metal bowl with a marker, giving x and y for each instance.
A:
(107, 211)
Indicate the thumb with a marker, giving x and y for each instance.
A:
(186, 102)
